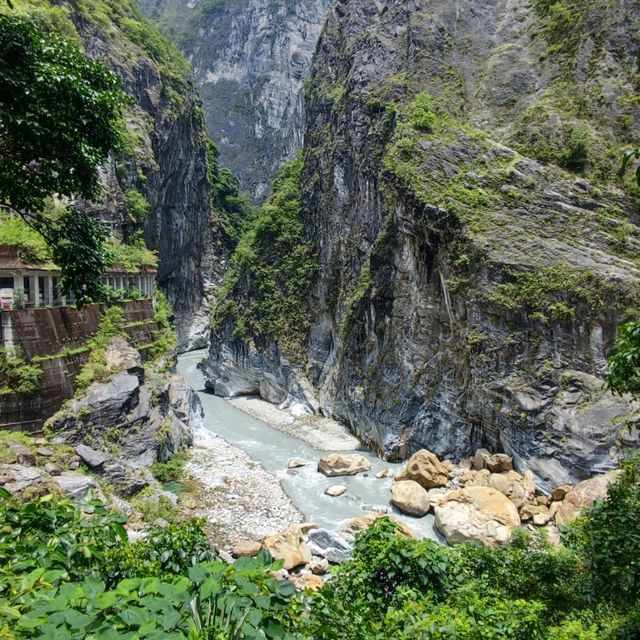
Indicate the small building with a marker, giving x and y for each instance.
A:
(26, 285)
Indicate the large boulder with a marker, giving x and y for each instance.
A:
(478, 514)
(337, 464)
(410, 498)
(582, 496)
(91, 457)
(246, 549)
(364, 522)
(16, 478)
(426, 469)
(494, 462)
(519, 489)
(290, 547)
(77, 486)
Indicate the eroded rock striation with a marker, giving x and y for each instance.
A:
(475, 252)
(158, 185)
(250, 60)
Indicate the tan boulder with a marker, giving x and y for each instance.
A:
(364, 522)
(289, 546)
(335, 490)
(519, 489)
(479, 514)
(582, 496)
(495, 463)
(449, 467)
(529, 510)
(319, 566)
(424, 468)
(246, 549)
(479, 478)
(435, 495)
(545, 501)
(554, 507)
(410, 498)
(305, 581)
(338, 464)
(540, 519)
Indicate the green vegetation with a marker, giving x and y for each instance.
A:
(629, 156)
(59, 108)
(15, 232)
(554, 292)
(231, 210)
(132, 255)
(624, 364)
(69, 572)
(266, 291)
(563, 24)
(355, 297)
(95, 370)
(421, 115)
(65, 573)
(138, 207)
(165, 553)
(172, 469)
(166, 340)
(77, 244)
(17, 375)
(63, 111)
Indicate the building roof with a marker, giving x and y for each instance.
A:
(11, 260)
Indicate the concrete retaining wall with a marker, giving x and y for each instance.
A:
(46, 332)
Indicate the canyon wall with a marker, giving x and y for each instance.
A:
(250, 59)
(475, 248)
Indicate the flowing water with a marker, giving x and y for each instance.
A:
(273, 449)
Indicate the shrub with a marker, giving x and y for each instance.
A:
(217, 601)
(17, 375)
(167, 552)
(170, 470)
(608, 538)
(422, 117)
(95, 369)
(53, 534)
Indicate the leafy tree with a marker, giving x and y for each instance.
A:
(624, 364)
(608, 538)
(60, 117)
(233, 209)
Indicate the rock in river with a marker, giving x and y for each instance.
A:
(410, 498)
(338, 464)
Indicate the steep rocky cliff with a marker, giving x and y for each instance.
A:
(476, 250)
(250, 59)
(158, 185)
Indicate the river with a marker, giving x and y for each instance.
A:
(305, 486)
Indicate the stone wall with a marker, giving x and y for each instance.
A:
(48, 335)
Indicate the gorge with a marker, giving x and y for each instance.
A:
(389, 383)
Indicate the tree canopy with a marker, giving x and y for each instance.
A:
(60, 118)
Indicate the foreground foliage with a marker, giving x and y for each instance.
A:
(71, 573)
